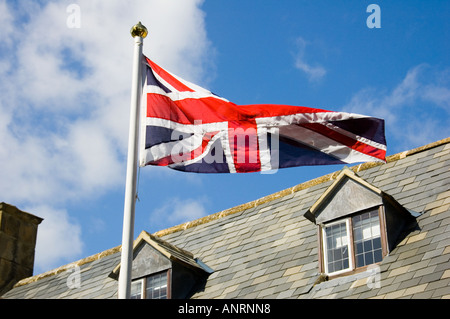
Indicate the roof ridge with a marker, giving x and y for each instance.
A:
(68, 266)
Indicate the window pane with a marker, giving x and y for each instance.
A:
(377, 255)
(345, 264)
(368, 258)
(330, 267)
(367, 245)
(357, 232)
(359, 248)
(136, 290)
(376, 243)
(157, 286)
(367, 238)
(359, 260)
(336, 247)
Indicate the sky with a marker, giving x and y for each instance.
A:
(65, 87)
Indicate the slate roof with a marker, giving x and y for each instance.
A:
(268, 249)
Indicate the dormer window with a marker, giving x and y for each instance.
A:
(358, 224)
(353, 242)
(161, 270)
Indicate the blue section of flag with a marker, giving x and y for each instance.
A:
(293, 153)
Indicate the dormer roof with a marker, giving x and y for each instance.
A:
(169, 251)
(349, 194)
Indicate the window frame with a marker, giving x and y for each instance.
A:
(323, 259)
(347, 223)
(135, 282)
(143, 282)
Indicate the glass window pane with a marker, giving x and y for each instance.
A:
(136, 290)
(336, 247)
(377, 255)
(344, 253)
(367, 238)
(337, 254)
(365, 217)
(359, 260)
(329, 242)
(359, 248)
(157, 286)
(330, 267)
(368, 258)
(376, 243)
(330, 254)
(367, 245)
(345, 264)
(337, 265)
(357, 233)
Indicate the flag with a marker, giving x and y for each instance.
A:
(189, 128)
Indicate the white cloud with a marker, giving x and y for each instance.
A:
(59, 238)
(416, 111)
(65, 94)
(315, 72)
(6, 23)
(178, 211)
(71, 124)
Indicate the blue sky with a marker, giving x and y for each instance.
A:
(65, 91)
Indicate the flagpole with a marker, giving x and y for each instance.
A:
(138, 32)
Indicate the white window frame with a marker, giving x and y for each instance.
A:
(349, 247)
(141, 281)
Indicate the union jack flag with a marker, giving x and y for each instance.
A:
(189, 128)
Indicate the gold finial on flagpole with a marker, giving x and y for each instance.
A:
(139, 30)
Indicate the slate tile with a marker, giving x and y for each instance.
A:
(419, 265)
(441, 259)
(286, 294)
(444, 283)
(407, 283)
(444, 291)
(423, 295)
(431, 277)
(401, 278)
(425, 271)
(442, 266)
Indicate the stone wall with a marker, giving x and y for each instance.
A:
(18, 232)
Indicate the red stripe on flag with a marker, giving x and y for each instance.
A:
(243, 139)
(186, 111)
(211, 110)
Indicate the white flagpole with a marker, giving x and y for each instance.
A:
(138, 32)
